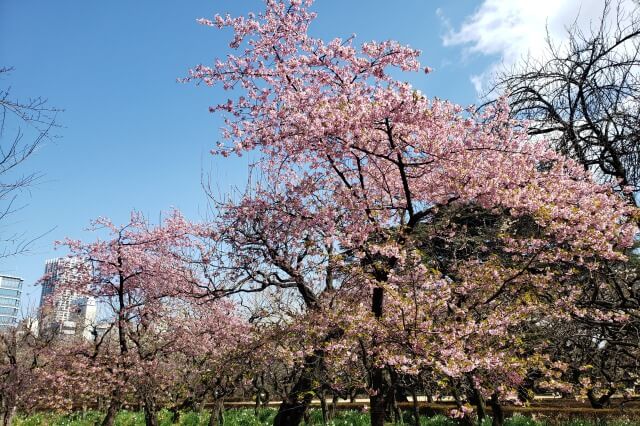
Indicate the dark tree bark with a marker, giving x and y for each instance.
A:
(323, 406)
(466, 420)
(112, 411)
(256, 408)
(415, 407)
(333, 406)
(602, 401)
(377, 398)
(395, 394)
(150, 411)
(496, 409)
(7, 409)
(175, 415)
(293, 408)
(7, 414)
(217, 413)
(478, 400)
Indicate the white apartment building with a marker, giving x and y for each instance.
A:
(69, 312)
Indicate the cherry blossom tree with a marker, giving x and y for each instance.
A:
(22, 354)
(210, 355)
(333, 124)
(282, 247)
(72, 373)
(136, 271)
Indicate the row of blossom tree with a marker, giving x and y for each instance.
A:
(395, 246)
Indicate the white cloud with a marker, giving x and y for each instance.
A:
(513, 29)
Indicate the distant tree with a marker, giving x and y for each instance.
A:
(134, 273)
(584, 95)
(279, 245)
(25, 125)
(209, 356)
(22, 354)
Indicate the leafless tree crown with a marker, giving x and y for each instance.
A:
(584, 95)
(24, 126)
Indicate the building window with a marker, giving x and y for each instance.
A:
(11, 293)
(10, 283)
(8, 311)
(4, 301)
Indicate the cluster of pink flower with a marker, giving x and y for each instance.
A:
(424, 238)
(393, 242)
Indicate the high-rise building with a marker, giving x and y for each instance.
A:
(62, 307)
(10, 291)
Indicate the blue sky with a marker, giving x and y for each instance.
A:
(134, 138)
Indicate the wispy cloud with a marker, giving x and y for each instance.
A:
(512, 29)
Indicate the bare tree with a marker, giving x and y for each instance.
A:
(584, 95)
(25, 125)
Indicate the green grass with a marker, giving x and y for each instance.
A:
(52, 419)
(438, 420)
(246, 417)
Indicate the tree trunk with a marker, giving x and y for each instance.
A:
(256, 410)
(333, 406)
(291, 412)
(392, 412)
(323, 405)
(217, 413)
(478, 401)
(175, 415)
(112, 411)
(496, 408)
(466, 420)
(415, 407)
(293, 407)
(296, 404)
(377, 399)
(525, 389)
(150, 412)
(7, 415)
(397, 393)
(602, 401)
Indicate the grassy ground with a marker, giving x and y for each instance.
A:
(245, 417)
